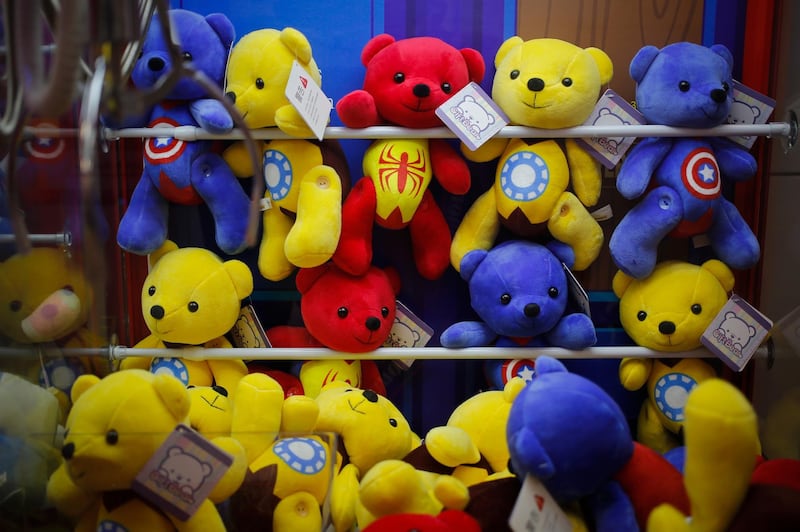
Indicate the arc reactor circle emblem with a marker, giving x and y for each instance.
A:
(525, 176)
(277, 170)
(171, 366)
(162, 150)
(670, 394)
(304, 455)
(700, 174)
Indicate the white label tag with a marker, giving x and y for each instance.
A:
(736, 332)
(577, 292)
(312, 104)
(182, 472)
(408, 330)
(472, 115)
(247, 332)
(537, 511)
(749, 107)
(611, 110)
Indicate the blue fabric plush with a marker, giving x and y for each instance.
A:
(177, 171)
(679, 180)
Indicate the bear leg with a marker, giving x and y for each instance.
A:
(731, 238)
(430, 238)
(572, 224)
(272, 261)
(143, 227)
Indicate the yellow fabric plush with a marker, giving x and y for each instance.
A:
(549, 84)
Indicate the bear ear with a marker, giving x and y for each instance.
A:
(722, 51)
(604, 64)
(475, 64)
(642, 61)
(471, 261)
(241, 276)
(81, 384)
(548, 364)
(620, 283)
(306, 277)
(165, 248)
(295, 41)
(375, 45)
(223, 26)
(506, 47)
(173, 394)
(721, 271)
(394, 279)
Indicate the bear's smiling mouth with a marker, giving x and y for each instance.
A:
(533, 105)
(354, 407)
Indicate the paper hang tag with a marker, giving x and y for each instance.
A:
(182, 472)
(248, 332)
(472, 116)
(749, 107)
(576, 291)
(736, 332)
(309, 100)
(610, 110)
(537, 511)
(408, 330)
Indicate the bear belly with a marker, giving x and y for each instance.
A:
(401, 171)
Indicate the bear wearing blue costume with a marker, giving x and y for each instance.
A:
(178, 171)
(680, 179)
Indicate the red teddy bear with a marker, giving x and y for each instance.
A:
(406, 80)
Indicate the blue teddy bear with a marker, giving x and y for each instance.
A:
(178, 171)
(681, 179)
(519, 289)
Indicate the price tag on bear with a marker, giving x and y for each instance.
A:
(309, 100)
(181, 474)
(408, 330)
(610, 110)
(248, 332)
(749, 107)
(537, 511)
(472, 115)
(736, 332)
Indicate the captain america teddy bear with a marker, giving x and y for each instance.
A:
(680, 180)
(177, 171)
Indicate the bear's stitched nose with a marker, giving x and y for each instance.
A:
(231, 96)
(155, 64)
(157, 311)
(532, 310)
(535, 84)
(373, 323)
(666, 327)
(421, 90)
(719, 95)
(68, 450)
(370, 396)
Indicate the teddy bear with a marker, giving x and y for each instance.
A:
(46, 300)
(444, 521)
(346, 313)
(370, 429)
(191, 298)
(519, 291)
(678, 182)
(305, 179)
(567, 432)
(405, 81)
(549, 84)
(668, 311)
(114, 429)
(177, 171)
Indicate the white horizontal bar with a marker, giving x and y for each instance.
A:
(55, 238)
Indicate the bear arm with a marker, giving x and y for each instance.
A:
(634, 372)
(584, 172)
(490, 150)
(357, 109)
(735, 162)
(449, 168)
(238, 158)
(70, 500)
(344, 494)
(211, 115)
(635, 172)
(573, 331)
(467, 334)
(289, 120)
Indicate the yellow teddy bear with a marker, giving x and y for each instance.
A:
(548, 84)
(305, 179)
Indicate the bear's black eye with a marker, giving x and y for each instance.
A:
(505, 299)
(552, 292)
(193, 306)
(112, 437)
(446, 87)
(151, 291)
(259, 83)
(514, 74)
(684, 86)
(385, 311)
(399, 77)
(392, 422)
(725, 86)
(342, 312)
(15, 305)
(187, 56)
(641, 316)
(697, 308)
(567, 82)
